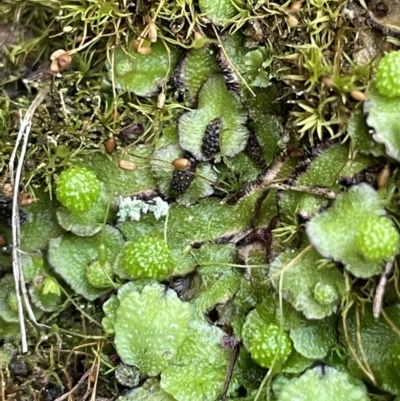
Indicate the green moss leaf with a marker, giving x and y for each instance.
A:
(270, 346)
(37, 274)
(232, 60)
(143, 74)
(383, 119)
(9, 330)
(262, 315)
(374, 343)
(195, 68)
(41, 225)
(325, 170)
(199, 370)
(149, 391)
(117, 180)
(8, 307)
(88, 222)
(358, 130)
(215, 102)
(300, 280)
(313, 339)
(268, 132)
(323, 384)
(207, 220)
(218, 293)
(49, 302)
(70, 255)
(150, 327)
(219, 11)
(297, 363)
(336, 233)
(110, 308)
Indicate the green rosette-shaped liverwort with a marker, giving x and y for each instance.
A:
(148, 257)
(270, 346)
(78, 189)
(388, 75)
(377, 239)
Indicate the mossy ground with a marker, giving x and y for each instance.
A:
(316, 59)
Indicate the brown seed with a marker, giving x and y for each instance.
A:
(110, 144)
(358, 95)
(115, 115)
(293, 22)
(25, 199)
(161, 100)
(384, 176)
(2, 240)
(139, 48)
(181, 163)
(64, 61)
(8, 190)
(54, 67)
(152, 35)
(295, 7)
(328, 82)
(127, 165)
(56, 54)
(144, 51)
(198, 36)
(381, 9)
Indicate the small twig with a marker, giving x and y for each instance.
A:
(234, 344)
(15, 179)
(73, 389)
(380, 290)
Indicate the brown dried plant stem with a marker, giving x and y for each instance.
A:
(15, 179)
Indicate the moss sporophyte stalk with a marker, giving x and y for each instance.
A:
(197, 171)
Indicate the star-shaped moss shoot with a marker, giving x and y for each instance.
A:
(150, 327)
